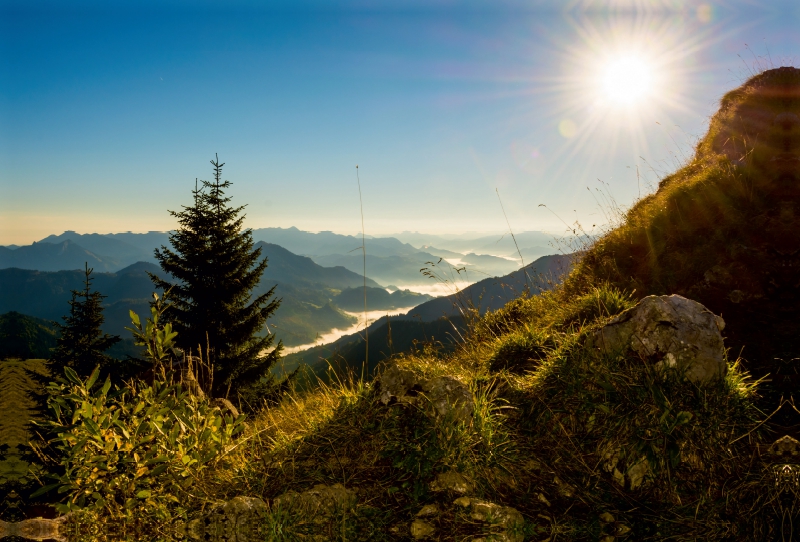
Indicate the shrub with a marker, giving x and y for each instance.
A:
(134, 449)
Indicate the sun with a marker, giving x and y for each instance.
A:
(627, 80)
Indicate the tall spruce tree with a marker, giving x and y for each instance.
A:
(81, 344)
(213, 270)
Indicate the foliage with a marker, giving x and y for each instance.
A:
(138, 449)
(158, 340)
(215, 269)
(81, 344)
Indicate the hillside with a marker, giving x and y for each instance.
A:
(25, 337)
(441, 320)
(603, 408)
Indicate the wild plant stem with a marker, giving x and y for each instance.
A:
(364, 253)
(525, 271)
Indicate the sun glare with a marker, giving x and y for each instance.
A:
(627, 80)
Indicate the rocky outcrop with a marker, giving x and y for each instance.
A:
(449, 397)
(679, 332)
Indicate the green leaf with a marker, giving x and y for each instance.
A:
(106, 386)
(159, 469)
(93, 377)
(45, 489)
(135, 319)
(143, 494)
(72, 376)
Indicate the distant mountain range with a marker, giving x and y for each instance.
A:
(306, 288)
(389, 260)
(438, 320)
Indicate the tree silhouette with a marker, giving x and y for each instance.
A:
(81, 344)
(213, 270)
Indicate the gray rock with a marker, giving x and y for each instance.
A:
(682, 332)
(395, 383)
(428, 510)
(448, 396)
(453, 482)
(503, 522)
(421, 529)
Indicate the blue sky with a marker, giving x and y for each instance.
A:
(109, 111)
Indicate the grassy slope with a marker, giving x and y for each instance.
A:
(586, 447)
(559, 434)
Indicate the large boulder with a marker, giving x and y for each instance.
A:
(449, 397)
(679, 332)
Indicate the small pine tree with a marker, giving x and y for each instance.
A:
(214, 270)
(81, 344)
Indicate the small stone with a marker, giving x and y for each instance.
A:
(637, 473)
(463, 501)
(421, 529)
(452, 481)
(622, 529)
(428, 510)
(543, 499)
(606, 517)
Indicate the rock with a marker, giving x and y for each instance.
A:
(421, 529)
(636, 473)
(448, 396)
(453, 482)
(321, 501)
(505, 523)
(395, 383)
(606, 517)
(679, 331)
(428, 510)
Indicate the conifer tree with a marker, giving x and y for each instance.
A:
(213, 270)
(81, 344)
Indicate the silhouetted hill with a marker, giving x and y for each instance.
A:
(493, 293)
(25, 337)
(438, 321)
(326, 242)
(54, 257)
(105, 246)
(286, 267)
(352, 299)
(305, 287)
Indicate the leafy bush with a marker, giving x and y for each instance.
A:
(135, 448)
